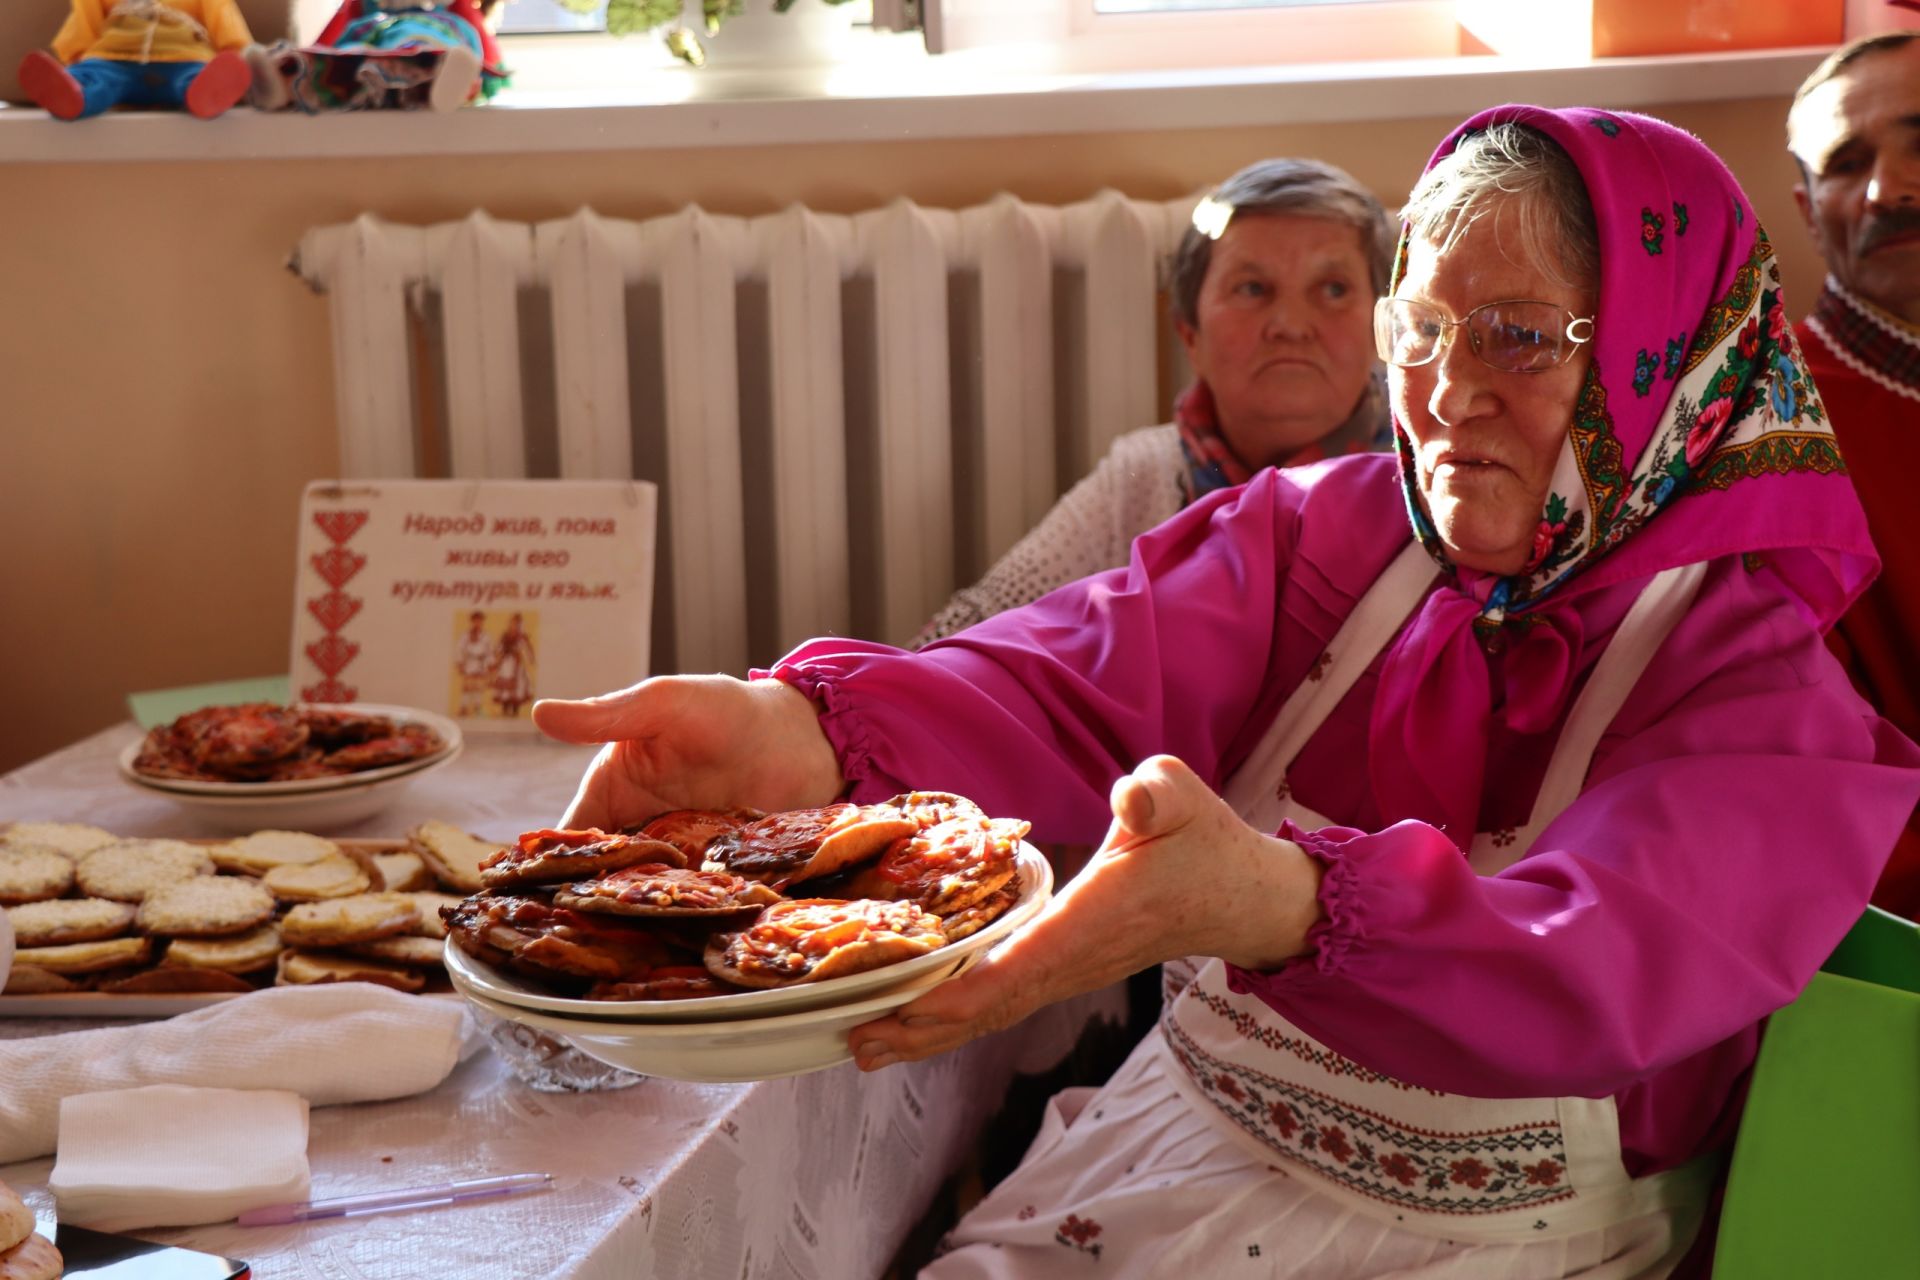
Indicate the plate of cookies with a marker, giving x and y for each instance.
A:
(717, 920)
(108, 926)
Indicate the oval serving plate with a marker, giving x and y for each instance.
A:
(502, 986)
(448, 731)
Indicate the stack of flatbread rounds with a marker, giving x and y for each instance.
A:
(24, 1253)
(96, 912)
(694, 904)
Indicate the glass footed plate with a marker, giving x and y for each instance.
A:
(1033, 873)
(764, 1048)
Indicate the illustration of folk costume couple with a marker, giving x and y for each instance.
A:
(502, 668)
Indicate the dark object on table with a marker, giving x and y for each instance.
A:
(99, 1255)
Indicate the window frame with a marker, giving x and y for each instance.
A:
(1080, 36)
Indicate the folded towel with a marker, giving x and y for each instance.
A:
(336, 1042)
(171, 1156)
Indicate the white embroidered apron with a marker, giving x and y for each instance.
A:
(1464, 1168)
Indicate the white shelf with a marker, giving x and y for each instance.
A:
(952, 97)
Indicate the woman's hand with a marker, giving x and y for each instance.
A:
(694, 742)
(1178, 874)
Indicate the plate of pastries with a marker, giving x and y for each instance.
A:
(106, 925)
(740, 945)
(251, 765)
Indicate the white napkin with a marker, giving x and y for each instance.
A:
(172, 1156)
(335, 1042)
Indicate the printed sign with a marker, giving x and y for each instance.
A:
(472, 598)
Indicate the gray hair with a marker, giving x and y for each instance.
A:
(1304, 188)
(1512, 167)
(1836, 62)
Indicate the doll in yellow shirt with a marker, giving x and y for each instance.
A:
(149, 53)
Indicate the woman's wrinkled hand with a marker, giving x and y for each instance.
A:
(1178, 874)
(694, 742)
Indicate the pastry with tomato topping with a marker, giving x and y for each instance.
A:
(804, 844)
(931, 808)
(408, 742)
(526, 931)
(948, 867)
(669, 982)
(692, 830)
(968, 921)
(551, 857)
(654, 889)
(814, 939)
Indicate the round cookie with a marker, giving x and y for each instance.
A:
(414, 952)
(71, 838)
(245, 953)
(63, 920)
(206, 906)
(32, 980)
(128, 870)
(16, 1220)
(34, 1258)
(298, 968)
(87, 957)
(336, 876)
(430, 924)
(28, 874)
(403, 872)
(340, 921)
(261, 852)
(165, 981)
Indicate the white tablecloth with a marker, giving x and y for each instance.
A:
(814, 1178)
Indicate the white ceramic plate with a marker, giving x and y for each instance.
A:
(787, 1044)
(315, 811)
(502, 986)
(448, 731)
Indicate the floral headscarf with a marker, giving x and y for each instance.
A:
(1697, 434)
(1212, 463)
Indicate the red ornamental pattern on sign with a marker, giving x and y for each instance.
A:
(332, 652)
(334, 609)
(329, 690)
(338, 565)
(339, 526)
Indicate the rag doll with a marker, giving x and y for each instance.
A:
(404, 54)
(145, 53)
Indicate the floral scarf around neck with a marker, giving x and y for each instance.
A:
(1697, 435)
(1213, 464)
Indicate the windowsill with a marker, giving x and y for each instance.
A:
(909, 99)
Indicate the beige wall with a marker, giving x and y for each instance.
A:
(164, 384)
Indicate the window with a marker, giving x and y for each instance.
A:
(549, 17)
(1163, 34)
(1187, 6)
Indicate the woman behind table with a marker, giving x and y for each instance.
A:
(1482, 1006)
(1272, 295)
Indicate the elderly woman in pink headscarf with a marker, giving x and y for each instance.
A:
(1496, 790)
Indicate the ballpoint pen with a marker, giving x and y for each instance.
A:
(407, 1198)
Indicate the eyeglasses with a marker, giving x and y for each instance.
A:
(1515, 336)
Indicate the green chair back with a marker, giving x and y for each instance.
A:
(1825, 1179)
